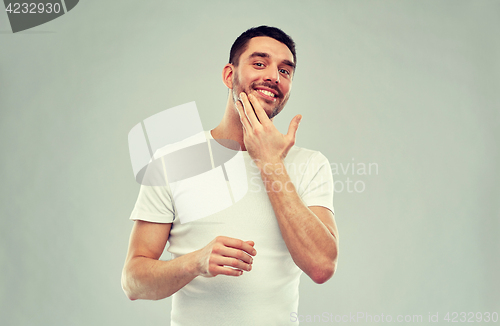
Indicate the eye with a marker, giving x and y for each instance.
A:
(284, 71)
(259, 64)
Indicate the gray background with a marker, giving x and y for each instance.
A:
(408, 85)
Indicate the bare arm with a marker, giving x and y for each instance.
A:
(310, 233)
(144, 276)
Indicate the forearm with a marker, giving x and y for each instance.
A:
(312, 245)
(151, 279)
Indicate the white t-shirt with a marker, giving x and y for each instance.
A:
(269, 292)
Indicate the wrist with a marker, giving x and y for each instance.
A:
(194, 265)
(270, 167)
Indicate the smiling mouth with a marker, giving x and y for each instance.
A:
(267, 94)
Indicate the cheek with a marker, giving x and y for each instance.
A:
(286, 90)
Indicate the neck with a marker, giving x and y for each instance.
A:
(230, 127)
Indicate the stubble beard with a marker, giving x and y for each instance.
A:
(236, 97)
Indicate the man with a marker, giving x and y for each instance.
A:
(290, 221)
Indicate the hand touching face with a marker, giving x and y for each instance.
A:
(263, 141)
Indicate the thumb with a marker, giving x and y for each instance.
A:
(294, 125)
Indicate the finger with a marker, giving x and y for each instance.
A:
(250, 243)
(233, 253)
(243, 117)
(231, 262)
(238, 244)
(220, 270)
(294, 125)
(249, 110)
(261, 113)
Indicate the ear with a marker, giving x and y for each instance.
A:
(227, 75)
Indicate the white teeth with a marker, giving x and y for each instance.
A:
(266, 92)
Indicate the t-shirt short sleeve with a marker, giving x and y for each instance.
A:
(154, 204)
(317, 182)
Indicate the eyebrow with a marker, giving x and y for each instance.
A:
(266, 55)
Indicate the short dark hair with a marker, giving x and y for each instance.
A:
(240, 45)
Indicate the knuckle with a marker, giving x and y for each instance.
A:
(216, 249)
(211, 257)
(211, 270)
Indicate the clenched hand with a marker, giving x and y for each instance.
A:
(227, 256)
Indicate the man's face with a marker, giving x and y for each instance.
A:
(265, 69)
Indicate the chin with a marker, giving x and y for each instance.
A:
(273, 113)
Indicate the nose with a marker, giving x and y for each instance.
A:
(272, 75)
